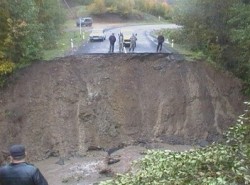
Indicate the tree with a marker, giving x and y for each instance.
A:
(25, 32)
(125, 7)
(97, 7)
(79, 2)
(4, 14)
(220, 29)
(239, 24)
(27, 27)
(51, 16)
(6, 65)
(204, 21)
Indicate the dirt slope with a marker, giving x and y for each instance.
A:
(64, 107)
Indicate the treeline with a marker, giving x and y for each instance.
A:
(26, 29)
(219, 30)
(126, 7)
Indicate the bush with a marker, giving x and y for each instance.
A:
(218, 164)
(6, 68)
(97, 7)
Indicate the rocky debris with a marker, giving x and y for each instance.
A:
(107, 171)
(60, 161)
(114, 149)
(112, 160)
(90, 148)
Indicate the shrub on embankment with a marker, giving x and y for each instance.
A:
(6, 68)
(218, 164)
(218, 31)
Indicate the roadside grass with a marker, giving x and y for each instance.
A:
(180, 48)
(187, 53)
(70, 24)
(63, 45)
(144, 18)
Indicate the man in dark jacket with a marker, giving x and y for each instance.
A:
(160, 40)
(112, 40)
(18, 172)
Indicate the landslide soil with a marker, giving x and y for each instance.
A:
(72, 111)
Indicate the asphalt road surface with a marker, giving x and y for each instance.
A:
(145, 42)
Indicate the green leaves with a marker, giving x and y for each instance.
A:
(51, 16)
(218, 164)
(27, 27)
(126, 7)
(239, 24)
(220, 30)
(25, 31)
(6, 68)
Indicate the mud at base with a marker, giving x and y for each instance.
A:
(93, 168)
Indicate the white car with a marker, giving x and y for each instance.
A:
(97, 35)
(127, 33)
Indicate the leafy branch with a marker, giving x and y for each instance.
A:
(217, 164)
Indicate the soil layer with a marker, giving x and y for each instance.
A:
(69, 106)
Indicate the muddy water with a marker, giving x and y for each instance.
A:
(86, 170)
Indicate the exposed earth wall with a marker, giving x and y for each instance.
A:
(64, 107)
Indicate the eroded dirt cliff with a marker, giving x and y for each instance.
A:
(66, 106)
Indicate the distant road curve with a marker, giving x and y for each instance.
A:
(146, 43)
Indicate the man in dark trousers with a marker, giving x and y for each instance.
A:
(18, 172)
(133, 40)
(160, 40)
(112, 40)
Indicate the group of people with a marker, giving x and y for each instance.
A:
(133, 39)
(19, 172)
(112, 40)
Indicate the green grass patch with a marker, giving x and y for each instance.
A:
(179, 46)
(189, 55)
(70, 24)
(63, 45)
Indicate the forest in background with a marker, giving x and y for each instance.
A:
(125, 7)
(27, 29)
(217, 31)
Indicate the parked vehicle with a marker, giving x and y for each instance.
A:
(84, 21)
(127, 33)
(97, 35)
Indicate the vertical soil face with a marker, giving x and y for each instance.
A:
(64, 107)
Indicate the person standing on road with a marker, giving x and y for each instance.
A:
(19, 172)
(121, 42)
(133, 40)
(112, 40)
(160, 40)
